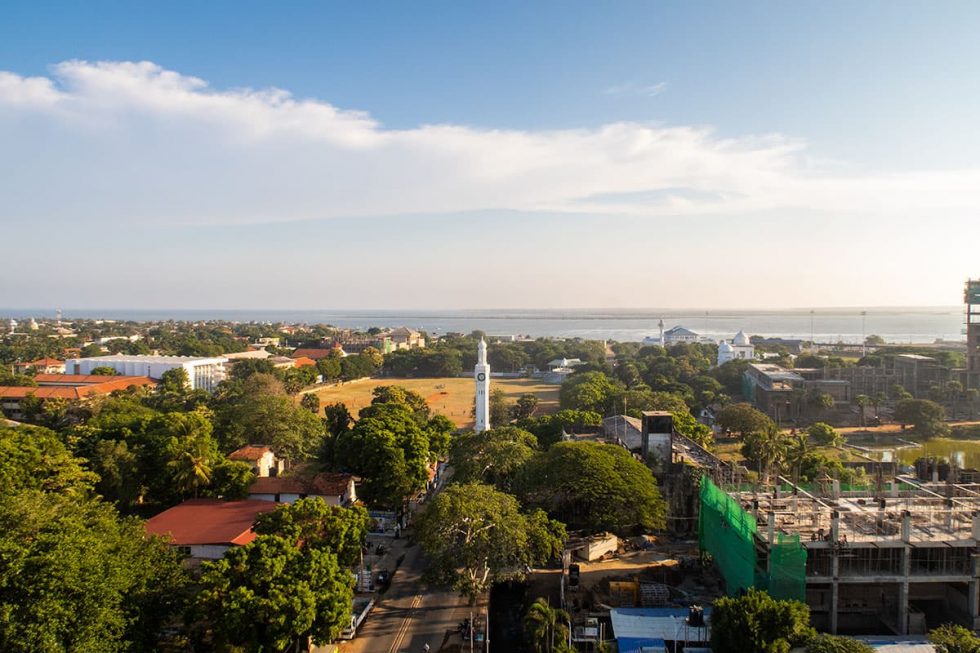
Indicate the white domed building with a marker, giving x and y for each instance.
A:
(740, 348)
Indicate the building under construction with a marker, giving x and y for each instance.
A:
(971, 298)
(900, 555)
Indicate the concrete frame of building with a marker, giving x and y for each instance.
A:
(880, 555)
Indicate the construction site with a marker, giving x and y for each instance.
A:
(900, 556)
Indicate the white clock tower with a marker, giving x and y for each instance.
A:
(482, 374)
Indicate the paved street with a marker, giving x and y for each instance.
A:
(408, 616)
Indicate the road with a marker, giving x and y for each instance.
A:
(408, 616)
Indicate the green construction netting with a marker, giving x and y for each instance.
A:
(726, 531)
(787, 568)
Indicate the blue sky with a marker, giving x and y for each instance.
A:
(547, 154)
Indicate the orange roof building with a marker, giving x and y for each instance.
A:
(206, 528)
(336, 489)
(65, 386)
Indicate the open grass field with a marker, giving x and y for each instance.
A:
(452, 397)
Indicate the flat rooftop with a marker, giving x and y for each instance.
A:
(939, 513)
(123, 358)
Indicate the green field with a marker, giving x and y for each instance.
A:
(452, 397)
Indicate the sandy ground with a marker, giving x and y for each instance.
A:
(452, 397)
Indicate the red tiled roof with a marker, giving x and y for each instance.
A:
(315, 354)
(209, 521)
(304, 361)
(250, 452)
(43, 362)
(87, 379)
(326, 484)
(80, 391)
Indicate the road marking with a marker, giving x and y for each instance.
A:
(403, 629)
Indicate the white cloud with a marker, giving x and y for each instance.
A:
(114, 141)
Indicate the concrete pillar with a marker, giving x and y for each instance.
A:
(906, 526)
(903, 587)
(835, 489)
(903, 608)
(894, 488)
(833, 604)
(976, 526)
(948, 521)
(834, 530)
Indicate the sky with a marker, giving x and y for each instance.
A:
(312, 155)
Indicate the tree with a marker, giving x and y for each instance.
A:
(494, 456)
(499, 408)
(266, 595)
(862, 401)
(952, 638)
(313, 522)
(231, 479)
(874, 340)
(525, 406)
(757, 622)
(743, 419)
(926, 417)
(389, 449)
(592, 391)
(475, 535)
(338, 418)
(834, 644)
(768, 448)
(825, 434)
(261, 406)
(546, 627)
(103, 370)
(311, 402)
(73, 574)
(396, 394)
(593, 486)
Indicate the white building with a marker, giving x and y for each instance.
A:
(482, 374)
(203, 373)
(740, 348)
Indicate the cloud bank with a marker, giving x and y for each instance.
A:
(110, 141)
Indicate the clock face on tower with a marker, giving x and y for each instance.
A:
(481, 377)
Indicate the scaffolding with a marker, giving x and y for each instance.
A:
(731, 535)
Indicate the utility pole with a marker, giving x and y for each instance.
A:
(864, 336)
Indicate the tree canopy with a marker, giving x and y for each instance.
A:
(476, 535)
(593, 486)
(494, 456)
(267, 594)
(757, 622)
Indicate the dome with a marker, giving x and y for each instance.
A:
(741, 339)
(724, 346)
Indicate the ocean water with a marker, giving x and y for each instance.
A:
(827, 325)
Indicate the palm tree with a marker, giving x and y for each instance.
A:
(877, 402)
(797, 452)
(547, 627)
(190, 465)
(863, 401)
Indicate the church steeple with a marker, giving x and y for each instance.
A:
(481, 372)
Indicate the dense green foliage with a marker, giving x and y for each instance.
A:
(953, 638)
(266, 595)
(312, 522)
(926, 417)
(757, 622)
(73, 574)
(493, 456)
(476, 535)
(835, 644)
(593, 486)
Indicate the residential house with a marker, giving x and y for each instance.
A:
(336, 489)
(204, 529)
(263, 460)
(42, 366)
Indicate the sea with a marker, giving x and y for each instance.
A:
(914, 325)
